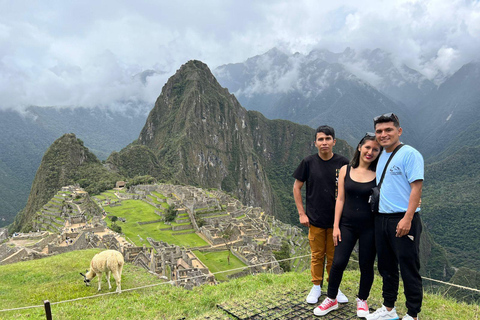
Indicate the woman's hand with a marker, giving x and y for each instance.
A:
(337, 236)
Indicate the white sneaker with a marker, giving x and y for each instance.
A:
(408, 317)
(314, 294)
(383, 314)
(341, 298)
(362, 308)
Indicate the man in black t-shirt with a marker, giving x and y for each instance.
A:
(320, 173)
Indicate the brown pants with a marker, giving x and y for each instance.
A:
(321, 245)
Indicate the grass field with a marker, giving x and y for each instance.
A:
(139, 211)
(56, 278)
(217, 262)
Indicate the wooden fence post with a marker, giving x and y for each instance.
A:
(48, 311)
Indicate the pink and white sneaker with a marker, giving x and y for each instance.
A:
(326, 306)
(362, 308)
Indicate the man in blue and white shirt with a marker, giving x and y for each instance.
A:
(397, 224)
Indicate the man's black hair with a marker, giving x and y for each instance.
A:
(329, 131)
(387, 117)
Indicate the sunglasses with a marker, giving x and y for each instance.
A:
(388, 116)
(367, 135)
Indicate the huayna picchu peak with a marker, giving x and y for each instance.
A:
(202, 136)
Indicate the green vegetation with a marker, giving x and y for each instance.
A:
(170, 213)
(219, 262)
(29, 283)
(135, 211)
(450, 206)
(283, 253)
(66, 162)
(158, 195)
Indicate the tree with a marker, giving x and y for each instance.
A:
(170, 213)
(282, 254)
(227, 236)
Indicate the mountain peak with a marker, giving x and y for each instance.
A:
(66, 162)
(201, 135)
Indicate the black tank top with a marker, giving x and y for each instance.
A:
(356, 209)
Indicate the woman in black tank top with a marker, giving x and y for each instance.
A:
(354, 221)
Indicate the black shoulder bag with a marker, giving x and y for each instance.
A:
(374, 198)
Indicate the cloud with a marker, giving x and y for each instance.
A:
(87, 53)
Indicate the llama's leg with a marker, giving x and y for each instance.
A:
(119, 274)
(99, 280)
(118, 281)
(108, 280)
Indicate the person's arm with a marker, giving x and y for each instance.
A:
(404, 225)
(337, 236)
(297, 195)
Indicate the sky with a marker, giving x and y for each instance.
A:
(89, 53)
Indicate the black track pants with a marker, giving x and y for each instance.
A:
(404, 252)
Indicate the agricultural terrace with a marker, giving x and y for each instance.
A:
(217, 261)
(135, 211)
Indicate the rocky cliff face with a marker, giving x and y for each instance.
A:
(203, 136)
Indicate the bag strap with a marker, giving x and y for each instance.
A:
(386, 165)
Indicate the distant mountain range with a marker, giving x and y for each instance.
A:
(348, 89)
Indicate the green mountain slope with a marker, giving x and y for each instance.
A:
(450, 207)
(67, 161)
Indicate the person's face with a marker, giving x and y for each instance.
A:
(387, 135)
(369, 151)
(324, 143)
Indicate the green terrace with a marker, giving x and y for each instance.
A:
(217, 262)
(142, 222)
(110, 194)
(155, 200)
(158, 195)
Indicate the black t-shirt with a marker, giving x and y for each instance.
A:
(321, 178)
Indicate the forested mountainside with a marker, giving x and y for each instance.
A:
(67, 161)
(449, 119)
(451, 206)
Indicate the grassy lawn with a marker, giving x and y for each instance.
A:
(189, 240)
(110, 194)
(215, 216)
(139, 211)
(217, 261)
(29, 283)
(158, 195)
(154, 199)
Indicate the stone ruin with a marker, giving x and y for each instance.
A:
(226, 224)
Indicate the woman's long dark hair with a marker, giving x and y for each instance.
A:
(356, 156)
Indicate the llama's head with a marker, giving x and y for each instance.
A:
(85, 279)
